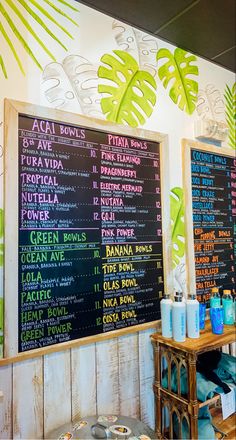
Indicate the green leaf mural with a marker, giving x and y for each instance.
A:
(177, 224)
(46, 12)
(230, 113)
(177, 73)
(131, 91)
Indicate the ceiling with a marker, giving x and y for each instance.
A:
(204, 27)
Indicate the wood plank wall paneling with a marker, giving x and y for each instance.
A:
(107, 360)
(146, 374)
(129, 375)
(28, 399)
(6, 402)
(57, 390)
(110, 377)
(83, 381)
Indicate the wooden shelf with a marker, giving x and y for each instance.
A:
(227, 426)
(207, 341)
(184, 355)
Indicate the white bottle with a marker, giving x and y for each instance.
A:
(192, 317)
(179, 318)
(166, 316)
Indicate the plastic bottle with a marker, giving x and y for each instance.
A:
(192, 317)
(215, 297)
(228, 307)
(166, 316)
(179, 318)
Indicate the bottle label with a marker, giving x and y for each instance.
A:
(196, 321)
(228, 312)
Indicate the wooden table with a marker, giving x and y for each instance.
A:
(136, 427)
(183, 355)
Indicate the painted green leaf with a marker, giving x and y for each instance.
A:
(177, 224)
(177, 73)
(9, 9)
(131, 92)
(3, 67)
(230, 114)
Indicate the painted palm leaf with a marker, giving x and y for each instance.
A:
(177, 73)
(131, 92)
(45, 14)
(230, 113)
(177, 225)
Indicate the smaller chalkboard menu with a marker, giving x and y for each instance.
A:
(210, 185)
(88, 225)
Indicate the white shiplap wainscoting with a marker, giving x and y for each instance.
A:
(114, 376)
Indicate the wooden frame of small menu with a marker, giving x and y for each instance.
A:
(87, 247)
(209, 181)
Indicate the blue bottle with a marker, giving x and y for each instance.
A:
(228, 307)
(179, 318)
(166, 316)
(215, 297)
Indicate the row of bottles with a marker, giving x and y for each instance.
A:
(175, 315)
(180, 317)
(227, 303)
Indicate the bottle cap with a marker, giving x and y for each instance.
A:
(227, 292)
(215, 290)
(178, 297)
(192, 296)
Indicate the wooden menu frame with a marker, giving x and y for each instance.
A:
(187, 146)
(12, 111)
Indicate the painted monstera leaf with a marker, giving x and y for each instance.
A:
(177, 72)
(230, 113)
(46, 14)
(177, 225)
(142, 47)
(71, 84)
(130, 92)
(210, 103)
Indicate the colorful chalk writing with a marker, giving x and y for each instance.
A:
(214, 218)
(90, 232)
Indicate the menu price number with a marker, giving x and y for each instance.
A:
(96, 288)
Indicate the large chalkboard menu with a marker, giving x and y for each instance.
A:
(213, 200)
(90, 256)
